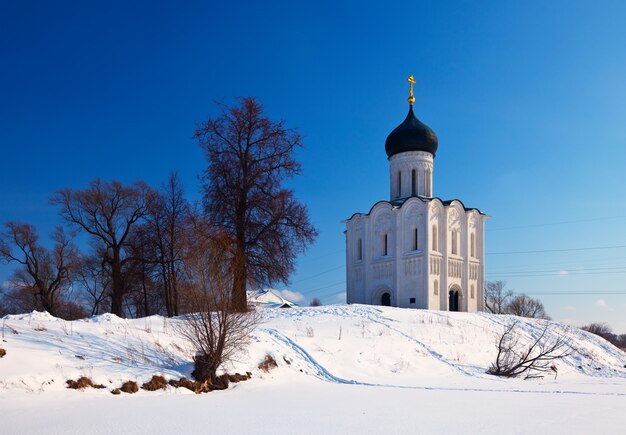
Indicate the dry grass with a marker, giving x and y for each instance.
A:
(129, 387)
(205, 387)
(116, 391)
(239, 378)
(156, 383)
(2, 352)
(268, 363)
(82, 383)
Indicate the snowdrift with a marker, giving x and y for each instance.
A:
(340, 344)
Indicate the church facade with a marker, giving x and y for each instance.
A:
(416, 250)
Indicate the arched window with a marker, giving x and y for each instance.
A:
(413, 183)
(415, 239)
(399, 184)
(436, 287)
(359, 249)
(385, 245)
(435, 238)
(455, 251)
(428, 181)
(472, 246)
(472, 292)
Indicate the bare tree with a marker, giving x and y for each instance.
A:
(601, 329)
(531, 359)
(216, 331)
(108, 212)
(93, 280)
(249, 157)
(315, 302)
(497, 297)
(43, 275)
(525, 306)
(167, 222)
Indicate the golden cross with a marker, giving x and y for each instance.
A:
(411, 80)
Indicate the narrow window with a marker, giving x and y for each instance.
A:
(413, 183)
(435, 238)
(454, 244)
(436, 287)
(399, 184)
(359, 249)
(472, 246)
(385, 240)
(472, 292)
(415, 239)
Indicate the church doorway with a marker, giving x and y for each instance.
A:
(453, 302)
(385, 300)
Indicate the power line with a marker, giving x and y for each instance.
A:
(559, 271)
(318, 274)
(556, 250)
(557, 223)
(574, 293)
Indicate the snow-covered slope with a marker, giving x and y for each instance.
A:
(365, 367)
(341, 344)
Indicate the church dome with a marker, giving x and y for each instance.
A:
(411, 135)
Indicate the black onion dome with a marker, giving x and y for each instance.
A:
(411, 135)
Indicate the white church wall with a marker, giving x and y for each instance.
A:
(411, 278)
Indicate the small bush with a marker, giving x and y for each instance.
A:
(129, 387)
(116, 391)
(156, 383)
(268, 363)
(82, 383)
(2, 352)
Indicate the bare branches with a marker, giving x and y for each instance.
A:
(108, 211)
(499, 300)
(531, 359)
(215, 329)
(44, 275)
(525, 306)
(249, 157)
(497, 297)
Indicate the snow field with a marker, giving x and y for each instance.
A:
(342, 369)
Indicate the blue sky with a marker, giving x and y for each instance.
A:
(527, 99)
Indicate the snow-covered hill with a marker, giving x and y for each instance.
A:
(341, 354)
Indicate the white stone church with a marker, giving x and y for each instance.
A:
(416, 250)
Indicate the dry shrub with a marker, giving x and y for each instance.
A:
(268, 363)
(82, 383)
(156, 383)
(215, 327)
(239, 378)
(129, 387)
(220, 383)
(185, 383)
(116, 391)
(530, 359)
(2, 352)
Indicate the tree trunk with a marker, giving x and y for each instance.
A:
(117, 286)
(240, 301)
